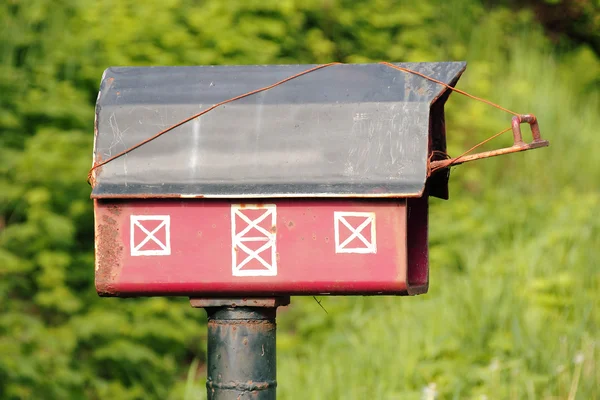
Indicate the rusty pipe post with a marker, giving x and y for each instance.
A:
(241, 354)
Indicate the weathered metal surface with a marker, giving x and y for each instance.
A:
(347, 130)
(241, 354)
(109, 248)
(535, 129)
(417, 242)
(518, 144)
(239, 302)
(306, 247)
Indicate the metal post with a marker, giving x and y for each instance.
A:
(241, 352)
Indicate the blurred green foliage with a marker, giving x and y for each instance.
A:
(512, 309)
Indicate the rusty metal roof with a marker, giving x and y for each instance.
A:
(351, 130)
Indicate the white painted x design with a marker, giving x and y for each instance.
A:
(238, 239)
(137, 249)
(356, 232)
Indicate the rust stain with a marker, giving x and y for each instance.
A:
(256, 205)
(93, 173)
(290, 224)
(235, 322)
(121, 196)
(115, 209)
(243, 302)
(273, 229)
(109, 255)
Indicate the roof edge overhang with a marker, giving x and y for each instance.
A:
(107, 189)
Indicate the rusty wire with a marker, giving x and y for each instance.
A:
(410, 71)
(449, 161)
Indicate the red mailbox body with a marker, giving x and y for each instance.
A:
(217, 248)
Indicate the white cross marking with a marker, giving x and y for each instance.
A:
(254, 224)
(369, 219)
(252, 254)
(356, 232)
(165, 248)
(239, 239)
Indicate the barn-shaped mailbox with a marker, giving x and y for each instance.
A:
(318, 185)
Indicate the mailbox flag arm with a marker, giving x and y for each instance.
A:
(518, 144)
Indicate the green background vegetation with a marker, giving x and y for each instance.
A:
(512, 311)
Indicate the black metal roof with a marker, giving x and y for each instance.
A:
(345, 130)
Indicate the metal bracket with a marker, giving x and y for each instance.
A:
(269, 302)
(518, 144)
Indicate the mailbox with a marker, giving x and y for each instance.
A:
(319, 185)
(240, 186)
